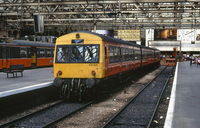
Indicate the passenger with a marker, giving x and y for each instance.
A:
(197, 59)
(193, 60)
(190, 60)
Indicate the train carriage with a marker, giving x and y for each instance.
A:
(84, 60)
(28, 53)
(157, 56)
(148, 57)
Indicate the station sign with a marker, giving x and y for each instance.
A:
(129, 35)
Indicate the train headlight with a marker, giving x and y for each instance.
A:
(93, 73)
(77, 35)
(60, 72)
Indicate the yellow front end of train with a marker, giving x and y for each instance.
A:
(79, 62)
(79, 68)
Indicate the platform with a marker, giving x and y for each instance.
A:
(32, 79)
(184, 107)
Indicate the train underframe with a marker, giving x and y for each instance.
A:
(79, 88)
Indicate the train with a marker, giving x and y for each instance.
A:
(87, 62)
(29, 53)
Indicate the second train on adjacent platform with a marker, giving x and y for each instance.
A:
(28, 53)
(85, 62)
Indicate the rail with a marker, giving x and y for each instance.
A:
(41, 112)
(108, 123)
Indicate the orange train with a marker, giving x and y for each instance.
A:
(28, 53)
(87, 62)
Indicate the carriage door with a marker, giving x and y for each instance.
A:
(5, 57)
(33, 56)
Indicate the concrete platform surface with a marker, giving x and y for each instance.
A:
(30, 78)
(184, 107)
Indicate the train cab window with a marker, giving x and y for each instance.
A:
(62, 54)
(23, 52)
(42, 52)
(91, 53)
(49, 53)
(77, 54)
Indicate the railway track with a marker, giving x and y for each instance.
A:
(51, 115)
(48, 116)
(140, 110)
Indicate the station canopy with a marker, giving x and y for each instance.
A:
(103, 14)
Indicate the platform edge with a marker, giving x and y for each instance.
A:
(170, 111)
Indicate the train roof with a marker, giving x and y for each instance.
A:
(114, 40)
(32, 43)
(109, 39)
(148, 47)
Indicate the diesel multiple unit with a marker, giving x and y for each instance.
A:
(85, 62)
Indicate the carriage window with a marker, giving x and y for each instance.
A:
(29, 52)
(38, 52)
(49, 53)
(8, 52)
(91, 53)
(127, 54)
(110, 51)
(137, 54)
(123, 53)
(133, 54)
(15, 52)
(111, 54)
(52, 50)
(117, 54)
(130, 54)
(42, 52)
(23, 52)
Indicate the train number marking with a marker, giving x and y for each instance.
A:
(93, 64)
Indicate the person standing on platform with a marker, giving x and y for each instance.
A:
(197, 59)
(190, 60)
